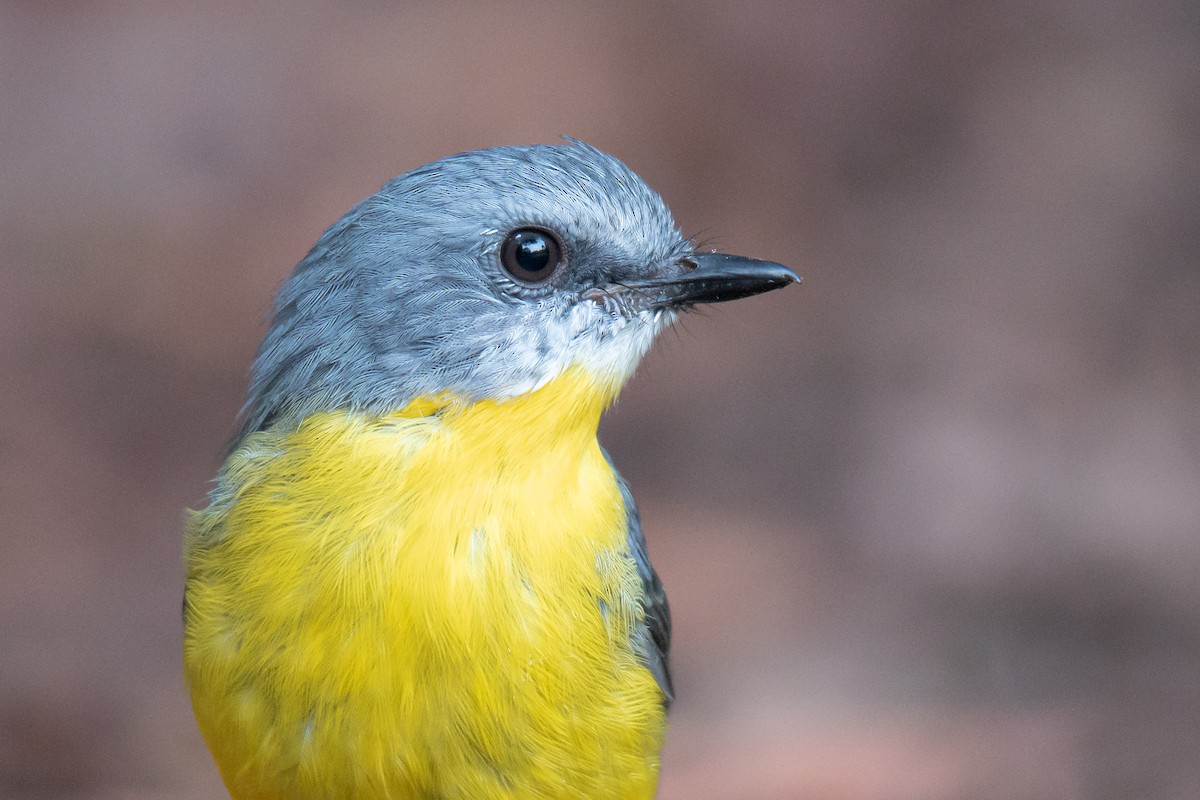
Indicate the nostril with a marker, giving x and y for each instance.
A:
(687, 264)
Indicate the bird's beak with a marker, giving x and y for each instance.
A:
(713, 278)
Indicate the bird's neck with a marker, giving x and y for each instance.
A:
(565, 411)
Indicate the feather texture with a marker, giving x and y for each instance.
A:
(447, 601)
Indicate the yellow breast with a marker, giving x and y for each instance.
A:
(433, 603)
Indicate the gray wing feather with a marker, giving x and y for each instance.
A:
(653, 637)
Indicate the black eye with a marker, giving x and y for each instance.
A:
(530, 254)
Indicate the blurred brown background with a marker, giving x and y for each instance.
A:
(930, 522)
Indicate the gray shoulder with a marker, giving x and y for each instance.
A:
(652, 639)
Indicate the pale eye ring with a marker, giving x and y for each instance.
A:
(531, 255)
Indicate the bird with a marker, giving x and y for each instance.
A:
(417, 573)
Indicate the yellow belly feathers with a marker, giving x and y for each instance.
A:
(434, 603)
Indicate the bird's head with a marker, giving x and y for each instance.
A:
(484, 276)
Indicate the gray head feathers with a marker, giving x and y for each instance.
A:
(406, 296)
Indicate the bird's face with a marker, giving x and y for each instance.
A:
(484, 276)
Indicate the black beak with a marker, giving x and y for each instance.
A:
(714, 278)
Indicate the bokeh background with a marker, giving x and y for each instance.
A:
(930, 522)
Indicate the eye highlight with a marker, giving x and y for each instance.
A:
(531, 255)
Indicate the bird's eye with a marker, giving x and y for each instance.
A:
(531, 255)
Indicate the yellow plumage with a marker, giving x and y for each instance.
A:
(437, 602)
